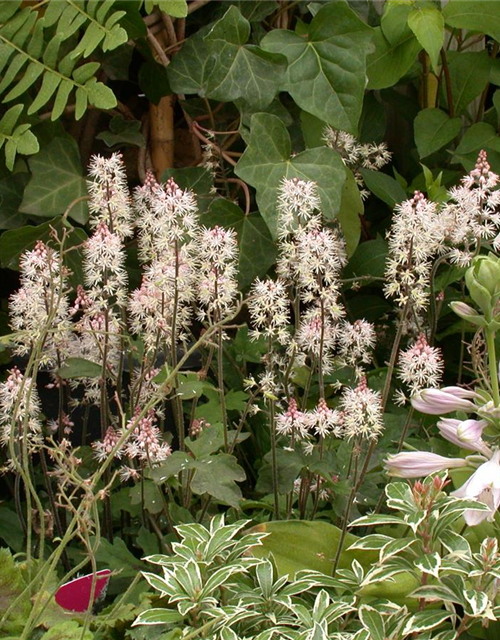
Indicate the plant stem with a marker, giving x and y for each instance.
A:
(492, 361)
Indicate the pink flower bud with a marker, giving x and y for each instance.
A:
(415, 464)
(483, 486)
(465, 433)
(445, 400)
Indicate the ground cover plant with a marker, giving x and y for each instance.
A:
(249, 342)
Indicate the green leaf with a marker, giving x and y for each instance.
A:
(68, 630)
(266, 161)
(469, 75)
(79, 368)
(384, 187)
(176, 462)
(389, 62)
(373, 622)
(474, 15)
(123, 132)
(257, 251)
(56, 181)
(326, 70)
(351, 207)
(430, 563)
(116, 556)
(190, 68)
(217, 476)
(11, 530)
(153, 80)
(11, 195)
(296, 545)
(175, 8)
(148, 496)
(368, 259)
(158, 616)
(394, 22)
(240, 70)
(427, 23)
(433, 129)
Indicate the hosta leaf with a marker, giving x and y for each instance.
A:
(56, 181)
(267, 160)
(482, 16)
(373, 622)
(241, 70)
(158, 616)
(257, 251)
(389, 61)
(427, 23)
(424, 621)
(433, 129)
(326, 68)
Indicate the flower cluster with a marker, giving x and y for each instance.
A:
(420, 366)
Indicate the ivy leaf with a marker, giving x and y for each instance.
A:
(217, 475)
(474, 16)
(351, 207)
(241, 70)
(11, 194)
(427, 23)
(433, 129)
(384, 187)
(254, 11)
(257, 251)
(389, 62)
(266, 161)
(153, 80)
(190, 68)
(124, 132)
(327, 68)
(56, 181)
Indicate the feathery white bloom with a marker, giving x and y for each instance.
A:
(325, 421)
(298, 202)
(420, 366)
(269, 310)
(218, 266)
(104, 267)
(40, 306)
(416, 237)
(356, 342)
(109, 194)
(361, 411)
(103, 448)
(316, 337)
(16, 390)
(293, 422)
(145, 443)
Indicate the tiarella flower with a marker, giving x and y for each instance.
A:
(103, 448)
(356, 342)
(362, 412)
(416, 237)
(445, 400)
(325, 421)
(415, 464)
(483, 486)
(39, 309)
(104, 267)
(471, 214)
(269, 310)
(316, 337)
(145, 443)
(420, 366)
(19, 411)
(217, 272)
(293, 422)
(109, 195)
(466, 434)
(298, 202)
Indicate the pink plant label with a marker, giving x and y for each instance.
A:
(75, 595)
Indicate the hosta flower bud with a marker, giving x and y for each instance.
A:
(415, 464)
(465, 433)
(445, 400)
(466, 312)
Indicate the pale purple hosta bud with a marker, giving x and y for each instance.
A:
(445, 400)
(416, 464)
(483, 486)
(465, 433)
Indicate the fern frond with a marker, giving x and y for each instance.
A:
(17, 138)
(101, 26)
(21, 45)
